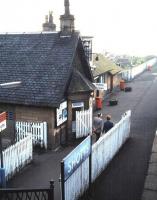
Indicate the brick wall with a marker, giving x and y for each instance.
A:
(38, 114)
(34, 114)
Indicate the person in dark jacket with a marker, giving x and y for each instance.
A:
(107, 124)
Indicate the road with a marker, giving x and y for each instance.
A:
(124, 177)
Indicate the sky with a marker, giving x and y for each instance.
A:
(118, 26)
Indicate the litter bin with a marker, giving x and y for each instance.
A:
(128, 89)
(113, 102)
(122, 84)
(98, 103)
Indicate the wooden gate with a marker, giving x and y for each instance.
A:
(37, 129)
(84, 123)
(17, 156)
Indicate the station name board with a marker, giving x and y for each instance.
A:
(76, 157)
(101, 86)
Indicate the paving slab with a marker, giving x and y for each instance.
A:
(154, 149)
(149, 195)
(153, 158)
(150, 187)
(152, 169)
(151, 182)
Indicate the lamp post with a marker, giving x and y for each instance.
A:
(3, 115)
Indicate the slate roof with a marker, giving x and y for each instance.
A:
(42, 62)
(123, 62)
(104, 65)
(80, 83)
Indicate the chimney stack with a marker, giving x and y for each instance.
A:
(49, 26)
(67, 20)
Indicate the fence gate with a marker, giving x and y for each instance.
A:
(28, 194)
(17, 156)
(84, 123)
(37, 129)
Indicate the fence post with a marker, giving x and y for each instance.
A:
(51, 192)
(90, 169)
(62, 181)
(1, 150)
(45, 134)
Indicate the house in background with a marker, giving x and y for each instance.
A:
(123, 62)
(56, 79)
(48, 25)
(106, 72)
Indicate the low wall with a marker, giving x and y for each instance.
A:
(131, 73)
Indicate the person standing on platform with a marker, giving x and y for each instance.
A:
(97, 125)
(107, 124)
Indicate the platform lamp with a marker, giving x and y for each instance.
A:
(6, 85)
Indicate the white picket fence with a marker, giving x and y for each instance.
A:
(17, 156)
(37, 129)
(78, 183)
(84, 123)
(103, 151)
(131, 73)
(109, 144)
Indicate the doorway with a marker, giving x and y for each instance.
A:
(79, 106)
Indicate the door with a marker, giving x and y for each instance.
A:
(74, 118)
